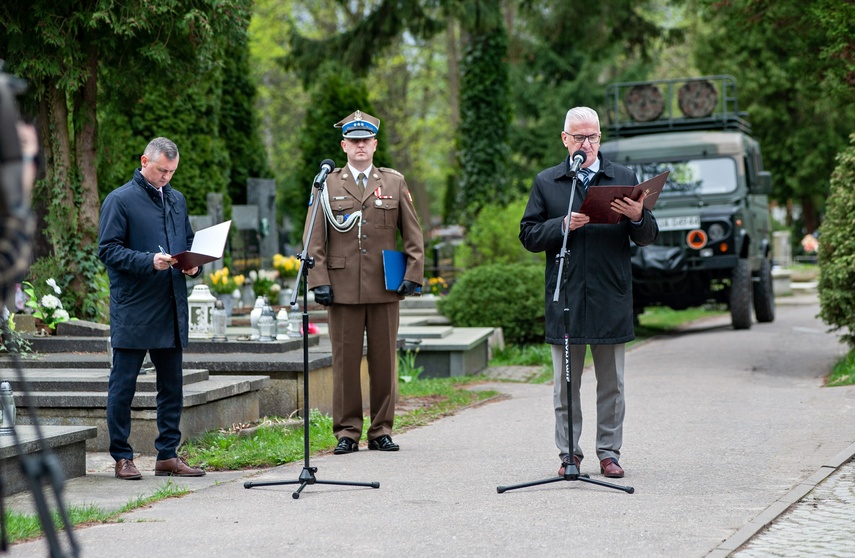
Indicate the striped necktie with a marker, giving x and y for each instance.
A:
(584, 176)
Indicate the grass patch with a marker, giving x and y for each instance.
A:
(656, 320)
(843, 373)
(24, 527)
(271, 443)
(522, 355)
(428, 399)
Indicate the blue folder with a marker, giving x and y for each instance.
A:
(394, 268)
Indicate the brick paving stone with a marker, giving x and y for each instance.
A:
(820, 524)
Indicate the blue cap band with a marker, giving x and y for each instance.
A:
(358, 125)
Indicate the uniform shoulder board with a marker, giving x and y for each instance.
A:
(393, 171)
(335, 170)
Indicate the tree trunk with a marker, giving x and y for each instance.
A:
(56, 146)
(453, 76)
(809, 219)
(85, 149)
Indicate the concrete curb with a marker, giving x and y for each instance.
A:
(777, 509)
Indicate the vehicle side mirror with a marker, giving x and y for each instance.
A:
(763, 184)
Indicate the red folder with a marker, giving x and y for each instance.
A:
(597, 204)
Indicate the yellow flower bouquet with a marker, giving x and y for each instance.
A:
(286, 266)
(222, 282)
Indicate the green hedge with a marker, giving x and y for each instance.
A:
(837, 249)
(499, 295)
(493, 238)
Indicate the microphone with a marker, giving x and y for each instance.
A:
(579, 159)
(327, 165)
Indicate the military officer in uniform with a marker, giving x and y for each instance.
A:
(364, 209)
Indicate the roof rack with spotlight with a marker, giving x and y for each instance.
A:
(670, 105)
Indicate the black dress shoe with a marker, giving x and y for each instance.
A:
(345, 445)
(383, 443)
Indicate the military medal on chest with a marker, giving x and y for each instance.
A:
(378, 193)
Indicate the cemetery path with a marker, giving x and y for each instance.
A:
(725, 430)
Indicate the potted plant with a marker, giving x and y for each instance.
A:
(47, 309)
(224, 285)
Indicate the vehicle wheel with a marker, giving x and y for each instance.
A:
(764, 296)
(740, 295)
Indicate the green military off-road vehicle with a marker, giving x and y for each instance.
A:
(715, 241)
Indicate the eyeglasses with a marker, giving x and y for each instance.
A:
(579, 138)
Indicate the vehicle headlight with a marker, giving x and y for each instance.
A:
(716, 232)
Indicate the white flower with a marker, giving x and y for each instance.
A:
(236, 293)
(269, 274)
(52, 284)
(50, 302)
(60, 315)
(253, 275)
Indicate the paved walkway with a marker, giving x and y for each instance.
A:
(725, 430)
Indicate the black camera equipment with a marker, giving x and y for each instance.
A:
(41, 469)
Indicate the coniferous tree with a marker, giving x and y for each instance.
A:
(239, 123)
(837, 249)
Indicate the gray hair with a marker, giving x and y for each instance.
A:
(581, 115)
(161, 146)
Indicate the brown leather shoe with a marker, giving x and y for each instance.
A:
(176, 467)
(609, 467)
(566, 460)
(126, 470)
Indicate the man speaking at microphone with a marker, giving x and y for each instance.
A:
(598, 290)
(364, 209)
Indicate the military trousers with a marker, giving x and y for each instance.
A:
(350, 326)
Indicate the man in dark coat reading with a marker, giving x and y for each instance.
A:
(598, 289)
(142, 223)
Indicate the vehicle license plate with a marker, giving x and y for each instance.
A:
(679, 223)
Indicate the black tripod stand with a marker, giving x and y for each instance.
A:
(307, 475)
(571, 471)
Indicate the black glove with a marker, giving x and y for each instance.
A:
(323, 295)
(408, 288)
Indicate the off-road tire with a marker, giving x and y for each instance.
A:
(741, 290)
(764, 296)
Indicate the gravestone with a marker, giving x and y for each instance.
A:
(262, 193)
(215, 207)
(246, 252)
(782, 252)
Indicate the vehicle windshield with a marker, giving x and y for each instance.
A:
(693, 177)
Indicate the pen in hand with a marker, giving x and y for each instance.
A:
(163, 253)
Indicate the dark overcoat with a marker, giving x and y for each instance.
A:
(599, 274)
(354, 266)
(147, 307)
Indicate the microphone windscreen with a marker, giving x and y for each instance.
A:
(581, 154)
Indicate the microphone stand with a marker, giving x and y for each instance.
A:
(571, 471)
(307, 475)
